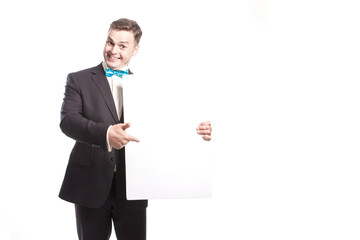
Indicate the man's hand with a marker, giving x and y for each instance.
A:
(118, 138)
(204, 129)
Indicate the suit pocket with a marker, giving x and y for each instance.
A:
(82, 155)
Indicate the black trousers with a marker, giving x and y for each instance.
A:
(96, 224)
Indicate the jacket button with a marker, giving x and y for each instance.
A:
(112, 159)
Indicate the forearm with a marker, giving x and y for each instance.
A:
(85, 131)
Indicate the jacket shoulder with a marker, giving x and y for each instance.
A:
(86, 72)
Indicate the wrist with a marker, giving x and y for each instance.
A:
(108, 145)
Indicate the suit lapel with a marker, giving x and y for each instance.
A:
(98, 76)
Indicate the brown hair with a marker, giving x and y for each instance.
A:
(127, 25)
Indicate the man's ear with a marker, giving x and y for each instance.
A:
(136, 50)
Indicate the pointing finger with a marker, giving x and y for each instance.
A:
(132, 138)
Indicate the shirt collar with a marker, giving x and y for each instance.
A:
(105, 67)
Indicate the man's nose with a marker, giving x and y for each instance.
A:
(115, 49)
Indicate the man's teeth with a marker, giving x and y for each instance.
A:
(114, 58)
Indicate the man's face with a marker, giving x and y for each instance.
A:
(119, 48)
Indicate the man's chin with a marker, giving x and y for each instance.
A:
(113, 65)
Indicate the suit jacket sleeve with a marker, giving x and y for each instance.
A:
(73, 122)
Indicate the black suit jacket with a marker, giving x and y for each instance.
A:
(87, 111)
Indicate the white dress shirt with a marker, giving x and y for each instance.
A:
(115, 82)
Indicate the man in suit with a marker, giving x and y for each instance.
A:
(92, 114)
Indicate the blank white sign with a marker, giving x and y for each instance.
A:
(171, 159)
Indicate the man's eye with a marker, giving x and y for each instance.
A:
(110, 43)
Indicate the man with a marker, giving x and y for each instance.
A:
(92, 114)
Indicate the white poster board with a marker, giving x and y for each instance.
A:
(171, 159)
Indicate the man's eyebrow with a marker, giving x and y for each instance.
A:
(124, 42)
(121, 42)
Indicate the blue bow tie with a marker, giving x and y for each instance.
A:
(109, 72)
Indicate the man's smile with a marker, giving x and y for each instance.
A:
(113, 57)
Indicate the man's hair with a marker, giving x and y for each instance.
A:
(127, 25)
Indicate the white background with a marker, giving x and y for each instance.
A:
(278, 78)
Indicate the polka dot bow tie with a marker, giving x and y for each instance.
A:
(109, 72)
